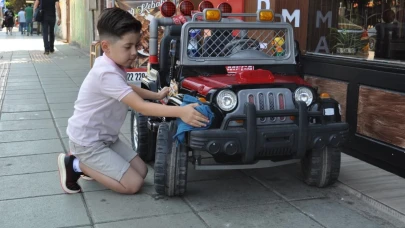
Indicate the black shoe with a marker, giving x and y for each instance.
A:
(52, 51)
(68, 177)
(46, 53)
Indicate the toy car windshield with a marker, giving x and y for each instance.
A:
(211, 43)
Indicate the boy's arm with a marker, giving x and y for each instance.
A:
(145, 94)
(187, 113)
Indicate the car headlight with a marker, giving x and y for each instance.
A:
(304, 94)
(227, 100)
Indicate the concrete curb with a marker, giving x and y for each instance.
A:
(373, 202)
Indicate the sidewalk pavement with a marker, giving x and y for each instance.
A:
(37, 98)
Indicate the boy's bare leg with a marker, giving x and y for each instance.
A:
(130, 183)
(139, 165)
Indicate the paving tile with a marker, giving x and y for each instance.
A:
(75, 66)
(26, 115)
(261, 216)
(65, 144)
(60, 113)
(24, 135)
(28, 164)
(57, 100)
(24, 108)
(62, 122)
(106, 206)
(64, 85)
(21, 65)
(25, 101)
(214, 194)
(186, 220)
(26, 125)
(24, 96)
(61, 90)
(28, 83)
(322, 209)
(19, 75)
(15, 80)
(62, 94)
(77, 73)
(288, 186)
(26, 91)
(49, 211)
(53, 81)
(53, 75)
(30, 185)
(53, 68)
(62, 132)
(30, 147)
(23, 87)
(198, 175)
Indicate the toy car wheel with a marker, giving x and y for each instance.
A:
(139, 133)
(170, 163)
(321, 167)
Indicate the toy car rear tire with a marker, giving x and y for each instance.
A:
(321, 167)
(142, 145)
(170, 162)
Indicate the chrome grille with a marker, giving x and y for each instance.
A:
(266, 99)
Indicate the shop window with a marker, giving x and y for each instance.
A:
(371, 29)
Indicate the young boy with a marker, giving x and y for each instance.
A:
(101, 108)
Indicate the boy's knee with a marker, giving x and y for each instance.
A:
(134, 187)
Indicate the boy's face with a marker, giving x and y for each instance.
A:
(122, 51)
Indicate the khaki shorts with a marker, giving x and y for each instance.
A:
(110, 159)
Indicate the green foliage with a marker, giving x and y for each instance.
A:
(346, 39)
(15, 4)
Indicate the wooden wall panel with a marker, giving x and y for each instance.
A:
(336, 89)
(381, 115)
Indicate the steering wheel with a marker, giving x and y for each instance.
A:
(241, 44)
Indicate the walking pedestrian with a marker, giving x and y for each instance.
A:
(9, 20)
(29, 11)
(48, 23)
(21, 20)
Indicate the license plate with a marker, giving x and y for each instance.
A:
(135, 77)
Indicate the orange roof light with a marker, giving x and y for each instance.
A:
(324, 96)
(265, 15)
(212, 15)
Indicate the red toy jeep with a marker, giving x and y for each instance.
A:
(265, 117)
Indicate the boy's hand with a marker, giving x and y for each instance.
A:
(163, 93)
(193, 117)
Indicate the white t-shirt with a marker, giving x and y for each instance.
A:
(99, 114)
(21, 16)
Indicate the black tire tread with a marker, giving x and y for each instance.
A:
(164, 166)
(143, 146)
(321, 168)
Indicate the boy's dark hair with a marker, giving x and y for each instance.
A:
(115, 22)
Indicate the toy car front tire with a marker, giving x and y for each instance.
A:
(321, 167)
(170, 162)
(139, 125)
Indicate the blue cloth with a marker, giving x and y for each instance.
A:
(182, 127)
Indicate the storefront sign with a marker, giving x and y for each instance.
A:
(146, 7)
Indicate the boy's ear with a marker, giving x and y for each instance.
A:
(105, 46)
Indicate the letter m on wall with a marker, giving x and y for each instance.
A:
(320, 17)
